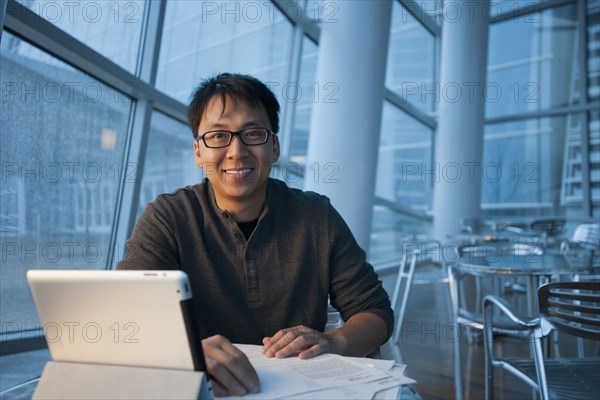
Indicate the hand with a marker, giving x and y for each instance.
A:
(302, 341)
(230, 370)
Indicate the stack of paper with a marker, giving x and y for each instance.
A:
(325, 376)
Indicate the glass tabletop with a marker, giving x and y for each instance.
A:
(528, 263)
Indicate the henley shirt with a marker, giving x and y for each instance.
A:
(300, 255)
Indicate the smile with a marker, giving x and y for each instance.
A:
(239, 171)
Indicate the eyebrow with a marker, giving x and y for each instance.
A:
(248, 124)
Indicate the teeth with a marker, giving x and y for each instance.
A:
(238, 171)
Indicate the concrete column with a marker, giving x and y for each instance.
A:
(459, 139)
(344, 133)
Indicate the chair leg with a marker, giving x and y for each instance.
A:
(536, 346)
(458, 390)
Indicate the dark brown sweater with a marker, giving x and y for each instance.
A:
(300, 252)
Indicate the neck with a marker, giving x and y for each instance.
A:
(242, 210)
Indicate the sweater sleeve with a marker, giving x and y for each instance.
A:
(354, 285)
(153, 243)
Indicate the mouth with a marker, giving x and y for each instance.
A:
(238, 173)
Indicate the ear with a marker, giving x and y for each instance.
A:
(197, 154)
(275, 148)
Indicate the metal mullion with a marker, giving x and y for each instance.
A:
(293, 76)
(310, 28)
(135, 153)
(415, 9)
(41, 33)
(129, 190)
(150, 47)
(3, 4)
(531, 8)
(547, 113)
(313, 31)
(22, 341)
(405, 106)
(585, 133)
(380, 201)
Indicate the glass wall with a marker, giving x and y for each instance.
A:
(71, 131)
(404, 183)
(169, 163)
(410, 64)
(202, 40)
(538, 142)
(112, 28)
(62, 146)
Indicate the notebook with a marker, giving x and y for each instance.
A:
(128, 318)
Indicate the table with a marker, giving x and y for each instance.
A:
(499, 236)
(538, 268)
(25, 391)
(493, 260)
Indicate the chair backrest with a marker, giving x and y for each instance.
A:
(551, 226)
(476, 225)
(402, 289)
(495, 249)
(572, 307)
(587, 235)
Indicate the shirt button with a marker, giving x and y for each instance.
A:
(237, 235)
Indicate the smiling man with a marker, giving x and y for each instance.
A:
(263, 260)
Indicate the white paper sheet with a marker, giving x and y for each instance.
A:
(324, 376)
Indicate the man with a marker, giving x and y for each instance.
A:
(263, 259)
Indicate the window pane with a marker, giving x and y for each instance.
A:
(532, 63)
(593, 49)
(523, 165)
(509, 6)
(594, 148)
(291, 173)
(312, 92)
(201, 41)
(404, 158)
(21, 367)
(170, 162)
(410, 60)
(390, 231)
(62, 145)
(112, 28)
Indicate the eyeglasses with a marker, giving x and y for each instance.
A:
(250, 137)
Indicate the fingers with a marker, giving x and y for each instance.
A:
(229, 368)
(295, 341)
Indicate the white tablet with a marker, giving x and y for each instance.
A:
(136, 318)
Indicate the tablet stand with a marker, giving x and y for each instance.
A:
(65, 380)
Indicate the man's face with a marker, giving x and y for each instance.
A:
(238, 172)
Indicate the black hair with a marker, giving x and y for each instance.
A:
(238, 87)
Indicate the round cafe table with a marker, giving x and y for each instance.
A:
(538, 267)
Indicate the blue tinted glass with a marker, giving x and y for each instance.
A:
(202, 39)
(62, 147)
(112, 28)
(532, 63)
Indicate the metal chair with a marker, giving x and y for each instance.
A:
(476, 225)
(399, 300)
(468, 289)
(586, 237)
(402, 286)
(569, 307)
(551, 226)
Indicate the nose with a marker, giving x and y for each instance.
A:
(236, 148)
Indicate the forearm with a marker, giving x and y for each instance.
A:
(362, 334)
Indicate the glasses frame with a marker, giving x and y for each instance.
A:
(234, 134)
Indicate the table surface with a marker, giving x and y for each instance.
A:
(528, 263)
(26, 389)
(503, 235)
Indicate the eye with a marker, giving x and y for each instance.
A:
(253, 134)
(217, 135)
